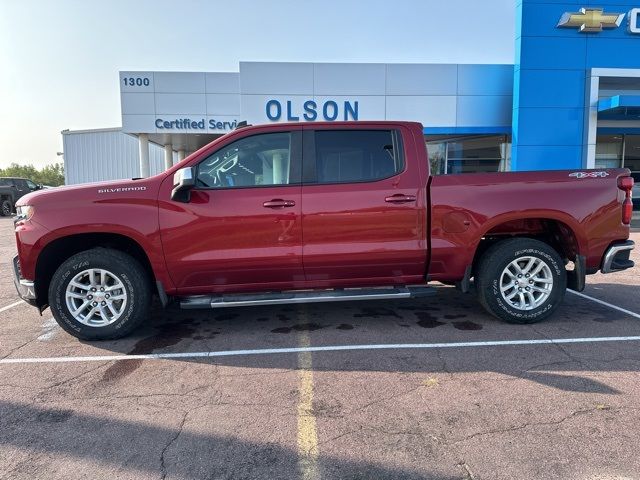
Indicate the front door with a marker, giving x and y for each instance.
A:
(363, 208)
(241, 229)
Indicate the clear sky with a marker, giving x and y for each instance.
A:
(59, 59)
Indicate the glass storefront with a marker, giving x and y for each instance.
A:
(614, 151)
(632, 153)
(469, 154)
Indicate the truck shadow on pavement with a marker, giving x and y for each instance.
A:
(132, 449)
(450, 317)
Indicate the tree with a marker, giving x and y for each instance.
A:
(52, 175)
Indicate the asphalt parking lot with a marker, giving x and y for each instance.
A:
(450, 408)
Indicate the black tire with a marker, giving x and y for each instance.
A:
(6, 209)
(493, 263)
(126, 268)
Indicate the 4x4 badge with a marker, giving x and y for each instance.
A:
(589, 174)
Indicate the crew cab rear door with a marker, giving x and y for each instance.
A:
(241, 228)
(363, 206)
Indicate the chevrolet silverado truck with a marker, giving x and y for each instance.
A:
(316, 212)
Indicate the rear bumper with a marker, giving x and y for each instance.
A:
(616, 258)
(26, 289)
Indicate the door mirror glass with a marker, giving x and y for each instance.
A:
(183, 182)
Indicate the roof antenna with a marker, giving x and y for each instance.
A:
(242, 124)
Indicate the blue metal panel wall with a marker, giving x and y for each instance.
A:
(551, 67)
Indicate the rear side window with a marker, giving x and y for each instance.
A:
(5, 182)
(346, 156)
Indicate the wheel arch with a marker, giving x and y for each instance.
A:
(561, 232)
(60, 249)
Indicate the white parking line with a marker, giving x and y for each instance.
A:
(602, 302)
(328, 348)
(4, 309)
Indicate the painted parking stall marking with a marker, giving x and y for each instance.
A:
(606, 304)
(8, 307)
(328, 348)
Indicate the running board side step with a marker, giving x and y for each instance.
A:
(307, 296)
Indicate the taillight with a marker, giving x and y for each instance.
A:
(626, 184)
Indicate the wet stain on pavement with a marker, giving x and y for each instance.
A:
(344, 326)
(120, 369)
(425, 309)
(283, 318)
(226, 316)
(208, 336)
(453, 317)
(603, 320)
(301, 327)
(376, 313)
(54, 416)
(427, 320)
(467, 325)
(168, 334)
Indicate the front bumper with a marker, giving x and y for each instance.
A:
(616, 258)
(26, 289)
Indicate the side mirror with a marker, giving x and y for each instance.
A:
(183, 181)
(39, 186)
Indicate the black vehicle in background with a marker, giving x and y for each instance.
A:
(11, 189)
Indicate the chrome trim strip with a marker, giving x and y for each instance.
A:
(611, 253)
(26, 288)
(310, 299)
(294, 297)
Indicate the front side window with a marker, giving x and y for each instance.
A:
(357, 155)
(32, 186)
(252, 161)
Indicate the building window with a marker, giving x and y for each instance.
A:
(632, 153)
(608, 151)
(469, 154)
(437, 157)
(615, 151)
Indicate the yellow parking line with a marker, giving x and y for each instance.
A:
(307, 433)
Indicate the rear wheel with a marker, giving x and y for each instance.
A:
(521, 280)
(6, 209)
(100, 294)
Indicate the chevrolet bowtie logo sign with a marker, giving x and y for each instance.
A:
(590, 20)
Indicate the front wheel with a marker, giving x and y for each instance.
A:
(100, 294)
(521, 280)
(6, 209)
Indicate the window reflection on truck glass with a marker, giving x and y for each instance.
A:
(252, 161)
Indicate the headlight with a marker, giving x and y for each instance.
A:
(24, 212)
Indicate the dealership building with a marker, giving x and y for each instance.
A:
(570, 100)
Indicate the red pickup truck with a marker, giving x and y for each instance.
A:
(291, 213)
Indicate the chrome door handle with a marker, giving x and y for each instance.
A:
(400, 198)
(279, 203)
